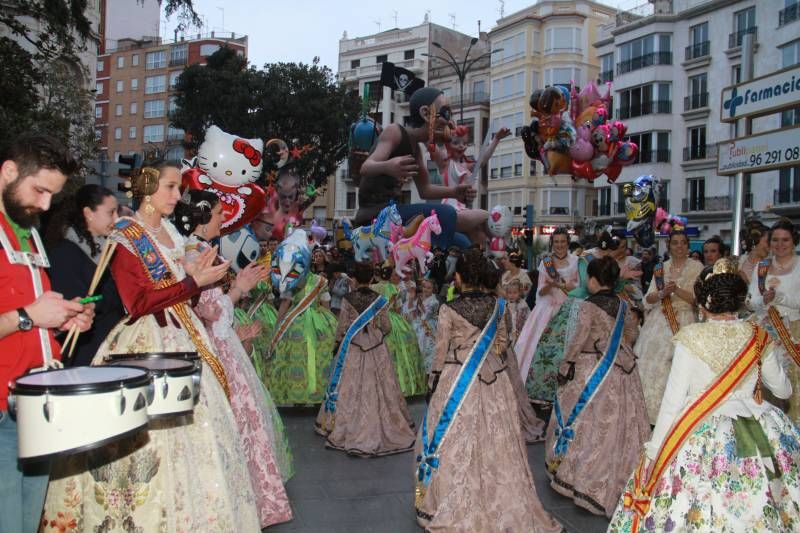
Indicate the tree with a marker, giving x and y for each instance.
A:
(299, 103)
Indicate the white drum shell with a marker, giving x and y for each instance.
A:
(172, 395)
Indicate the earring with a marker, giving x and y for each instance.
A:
(203, 230)
(148, 207)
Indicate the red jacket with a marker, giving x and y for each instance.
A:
(20, 351)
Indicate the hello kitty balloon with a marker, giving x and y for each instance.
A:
(500, 219)
(228, 165)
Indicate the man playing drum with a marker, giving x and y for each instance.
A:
(33, 169)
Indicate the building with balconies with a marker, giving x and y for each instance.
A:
(669, 61)
(548, 43)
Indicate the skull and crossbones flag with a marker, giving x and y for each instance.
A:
(400, 79)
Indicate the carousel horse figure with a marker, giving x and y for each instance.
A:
(417, 246)
(372, 240)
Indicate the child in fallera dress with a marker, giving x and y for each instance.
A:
(517, 309)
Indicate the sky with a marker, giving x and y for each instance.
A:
(298, 30)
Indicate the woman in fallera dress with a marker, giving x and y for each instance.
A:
(670, 305)
(184, 473)
(720, 457)
(472, 470)
(599, 421)
(364, 412)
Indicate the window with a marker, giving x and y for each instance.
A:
(695, 194)
(153, 108)
(153, 133)
(121, 62)
(179, 55)
(118, 110)
(511, 122)
(350, 202)
(120, 86)
(559, 40)
(383, 58)
(100, 65)
(118, 134)
(558, 202)
(654, 146)
(355, 63)
(98, 135)
(208, 49)
(155, 60)
(604, 194)
(698, 92)
(173, 78)
(789, 13)
(697, 143)
(562, 76)
(699, 45)
(116, 156)
(512, 48)
(408, 54)
(790, 54)
(173, 106)
(744, 22)
(135, 60)
(536, 82)
(132, 132)
(134, 84)
(479, 90)
(133, 108)
(645, 100)
(653, 49)
(155, 84)
(736, 74)
(788, 186)
(98, 88)
(98, 111)
(513, 199)
(506, 165)
(508, 87)
(606, 68)
(175, 134)
(175, 153)
(790, 117)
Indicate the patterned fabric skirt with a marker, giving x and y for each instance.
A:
(542, 380)
(404, 348)
(719, 481)
(267, 316)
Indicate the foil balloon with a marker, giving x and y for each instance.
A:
(665, 222)
(500, 219)
(363, 137)
(318, 233)
(228, 166)
(497, 247)
(641, 197)
(291, 262)
(239, 247)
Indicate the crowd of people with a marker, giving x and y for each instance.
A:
(664, 388)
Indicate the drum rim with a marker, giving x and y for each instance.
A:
(88, 447)
(189, 368)
(162, 416)
(75, 389)
(190, 356)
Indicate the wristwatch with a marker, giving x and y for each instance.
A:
(25, 322)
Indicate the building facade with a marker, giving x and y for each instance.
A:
(668, 67)
(546, 44)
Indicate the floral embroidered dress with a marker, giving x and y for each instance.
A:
(424, 324)
(259, 308)
(654, 348)
(185, 474)
(483, 482)
(738, 468)
(301, 347)
(403, 344)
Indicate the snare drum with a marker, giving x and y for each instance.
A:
(176, 384)
(77, 409)
(188, 356)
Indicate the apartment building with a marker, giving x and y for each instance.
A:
(135, 82)
(669, 65)
(548, 43)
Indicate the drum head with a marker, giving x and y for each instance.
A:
(158, 366)
(80, 380)
(191, 356)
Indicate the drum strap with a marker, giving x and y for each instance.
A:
(34, 261)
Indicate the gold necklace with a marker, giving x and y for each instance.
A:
(148, 227)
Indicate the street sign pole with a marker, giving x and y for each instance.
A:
(738, 180)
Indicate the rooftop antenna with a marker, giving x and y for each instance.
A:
(452, 19)
(378, 23)
(479, 28)
(395, 18)
(502, 8)
(427, 15)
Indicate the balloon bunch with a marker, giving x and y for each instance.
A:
(571, 133)
(666, 222)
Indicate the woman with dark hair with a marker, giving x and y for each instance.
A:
(74, 243)
(599, 420)
(774, 294)
(512, 263)
(720, 458)
(260, 426)
(364, 412)
(669, 304)
(472, 464)
(397, 160)
(756, 248)
(181, 474)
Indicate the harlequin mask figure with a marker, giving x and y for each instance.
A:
(291, 262)
(640, 208)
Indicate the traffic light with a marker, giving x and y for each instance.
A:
(131, 162)
(529, 216)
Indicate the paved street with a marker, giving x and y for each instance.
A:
(335, 493)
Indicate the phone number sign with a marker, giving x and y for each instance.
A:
(757, 153)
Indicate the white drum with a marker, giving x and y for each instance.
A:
(176, 384)
(77, 409)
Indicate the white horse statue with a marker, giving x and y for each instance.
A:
(418, 246)
(374, 240)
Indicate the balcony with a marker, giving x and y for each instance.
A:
(606, 76)
(735, 38)
(695, 101)
(698, 152)
(713, 203)
(653, 156)
(178, 61)
(698, 50)
(789, 14)
(478, 98)
(604, 210)
(787, 196)
(646, 60)
(645, 108)
(619, 208)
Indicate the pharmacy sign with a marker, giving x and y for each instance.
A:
(761, 96)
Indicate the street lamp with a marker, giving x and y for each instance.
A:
(461, 69)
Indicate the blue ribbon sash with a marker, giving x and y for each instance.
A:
(428, 460)
(332, 392)
(566, 432)
(147, 250)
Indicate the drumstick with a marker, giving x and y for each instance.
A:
(102, 263)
